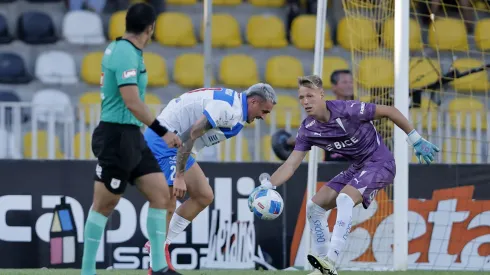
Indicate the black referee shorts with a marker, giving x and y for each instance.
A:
(122, 155)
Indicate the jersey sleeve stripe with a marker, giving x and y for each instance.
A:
(127, 84)
(224, 96)
(210, 119)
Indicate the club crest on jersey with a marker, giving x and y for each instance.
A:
(129, 73)
(342, 144)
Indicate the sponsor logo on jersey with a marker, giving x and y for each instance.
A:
(129, 73)
(342, 144)
(310, 124)
(363, 105)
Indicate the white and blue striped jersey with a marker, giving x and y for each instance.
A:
(225, 109)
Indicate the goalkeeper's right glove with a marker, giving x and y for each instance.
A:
(265, 184)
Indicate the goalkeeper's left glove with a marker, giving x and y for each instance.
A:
(424, 150)
(265, 184)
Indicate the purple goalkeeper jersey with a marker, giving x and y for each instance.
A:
(348, 132)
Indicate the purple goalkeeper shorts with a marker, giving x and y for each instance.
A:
(367, 179)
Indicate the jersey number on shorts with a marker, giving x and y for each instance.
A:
(172, 172)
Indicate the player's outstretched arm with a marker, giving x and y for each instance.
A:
(280, 176)
(424, 150)
(287, 169)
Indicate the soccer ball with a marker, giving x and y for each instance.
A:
(267, 204)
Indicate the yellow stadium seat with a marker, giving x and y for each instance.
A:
(331, 64)
(303, 32)
(267, 3)
(117, 25)
(132, 2)
(458, 147)
(266, 31)
(227, 2)
(266, 149)
(91, 68)
(476, 82)
(181, 2)
(416, 42)
(283, 71)
(41, 144)
(225, 31)
(233, 153)
(154, 103)
(358, 33)
(175, 29)
(87, 151)
(376, 72)
(238, 70)
(482, 36)
(287, 106)
(423, 72)
(421, 115)
(467, 106)
(90, 102)
(189, 70)
(156, 69)
(152, 99)
(448, 34)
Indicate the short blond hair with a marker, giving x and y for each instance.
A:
(310, 81)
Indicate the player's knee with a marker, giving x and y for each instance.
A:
(206, 198)
(105, 206)
(344, 200)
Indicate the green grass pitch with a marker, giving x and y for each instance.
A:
(221, 272)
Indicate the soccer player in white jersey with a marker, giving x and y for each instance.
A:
(202, 118)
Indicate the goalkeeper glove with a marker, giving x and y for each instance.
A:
(264, 185)
(424, 150)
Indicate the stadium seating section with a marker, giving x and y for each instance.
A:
(52, 58)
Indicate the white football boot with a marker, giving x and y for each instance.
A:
(325, 265)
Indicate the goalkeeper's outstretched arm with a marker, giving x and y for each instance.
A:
(394, 115)
(287, 169)
(424, 150)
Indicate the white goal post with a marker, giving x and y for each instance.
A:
(401, 152)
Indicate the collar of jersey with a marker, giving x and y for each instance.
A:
(124, 39)
(244, 107)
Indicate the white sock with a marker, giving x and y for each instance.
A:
(319, 227)
(177, 225)
(342, 226)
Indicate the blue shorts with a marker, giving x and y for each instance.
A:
(165, 156)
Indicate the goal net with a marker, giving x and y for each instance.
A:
(448, 104)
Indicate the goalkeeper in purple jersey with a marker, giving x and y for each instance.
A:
(343, 127)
